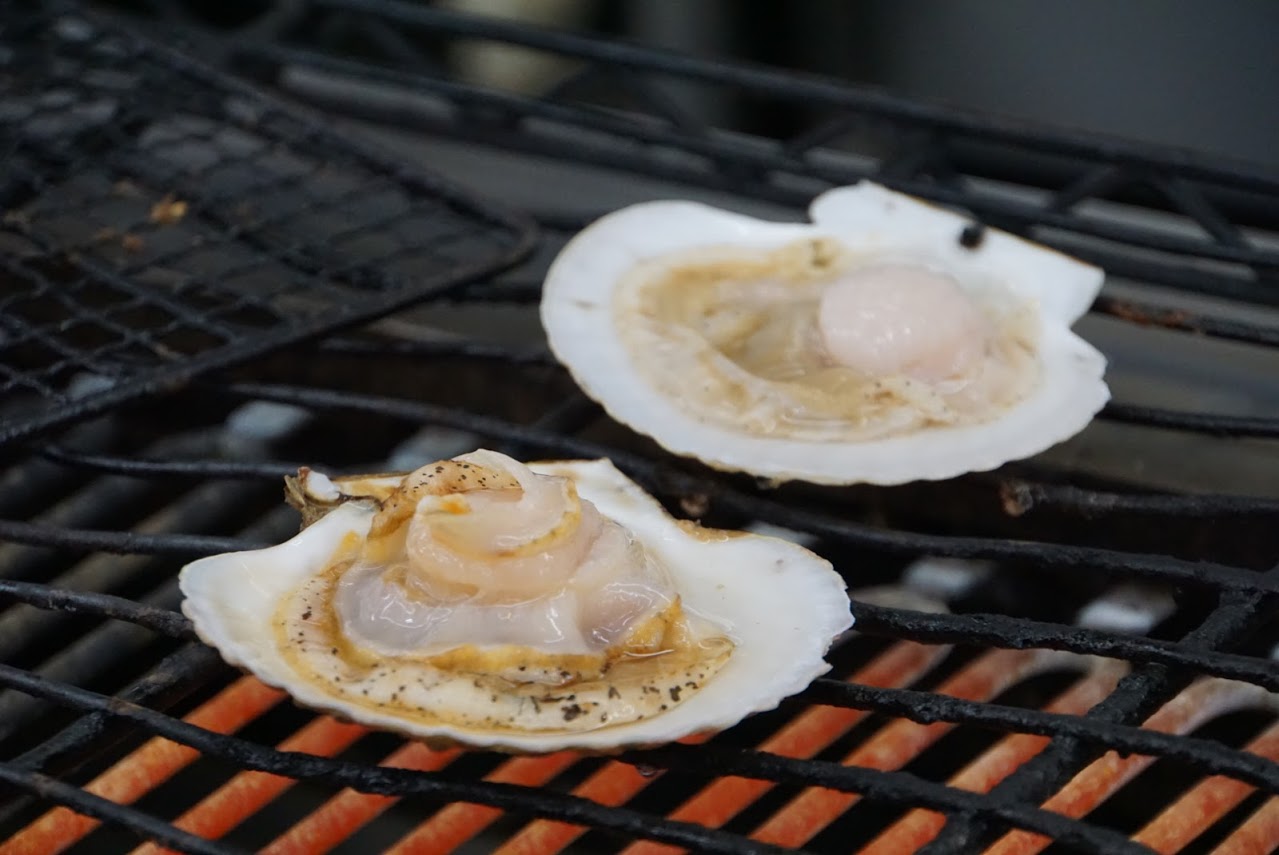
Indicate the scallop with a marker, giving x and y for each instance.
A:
(483, 602)
(887, 341)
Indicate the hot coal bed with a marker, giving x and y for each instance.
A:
(1072, 653)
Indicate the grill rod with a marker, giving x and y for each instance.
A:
(615, 788)
(804, 737)
(1210, 800)
(142, 771)
(346, 812)
(67, 827)
(1259, 833)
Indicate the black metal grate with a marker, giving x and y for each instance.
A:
(160, 219)
(97, 526)
(617, 105)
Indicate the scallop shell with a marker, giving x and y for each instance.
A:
(780, 604)
(578, 313)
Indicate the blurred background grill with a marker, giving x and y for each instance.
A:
(1092, 631)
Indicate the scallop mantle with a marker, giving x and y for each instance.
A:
(577, 313)
(781, 605)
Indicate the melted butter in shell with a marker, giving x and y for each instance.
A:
(778, 342)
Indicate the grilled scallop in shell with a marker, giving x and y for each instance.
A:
(535, 608)
(887, 341)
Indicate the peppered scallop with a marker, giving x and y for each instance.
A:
(526, 608)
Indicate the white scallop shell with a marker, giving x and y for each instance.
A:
(781, 605)
(577, 313)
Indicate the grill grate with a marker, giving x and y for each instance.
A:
(942, 729)
(161, 220)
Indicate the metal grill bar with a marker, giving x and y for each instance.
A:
(919, 826)
(458, 823)
(1138, 694)
(926, 707)
(346, 812)
(151, 765)
(1022, 496)
(1101, 779)
(105, 810)
(164, 621)
(247, 792)
(171, 678)
(805, 736)
(1003, 631)
(898, 743)
(1234, 427)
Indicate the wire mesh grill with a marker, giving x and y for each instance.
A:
(161, 220)
(1005, 721)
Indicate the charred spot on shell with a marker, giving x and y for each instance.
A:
(301, 493)
(298, 497)
(709, 535)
